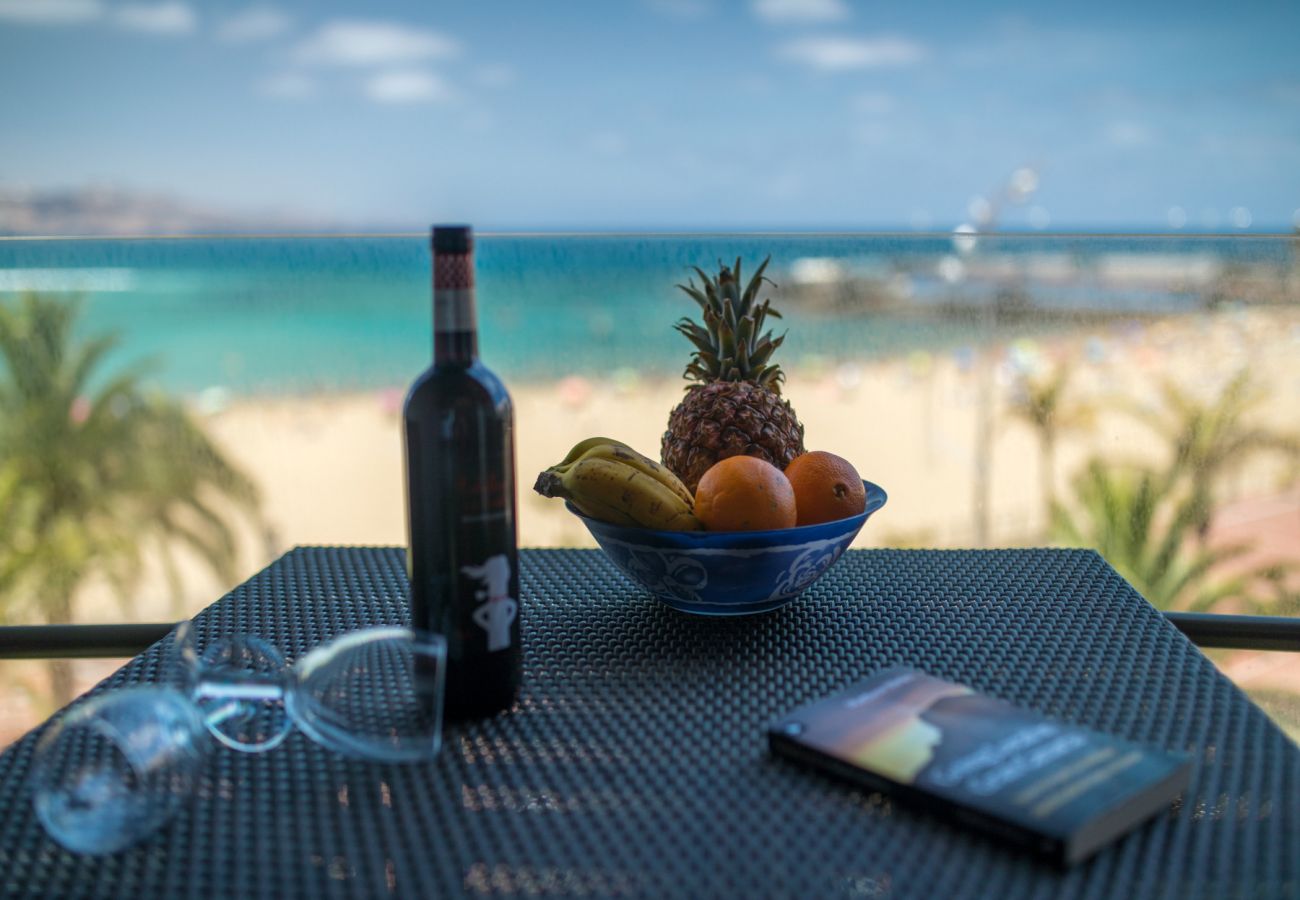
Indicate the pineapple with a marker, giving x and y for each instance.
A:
(737, 407)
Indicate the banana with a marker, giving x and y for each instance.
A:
(608, 480)
(683, 521)
(607, 448)
(580, 449)
(551, 484)
(622, 453)
(644, 499)
(603, 511)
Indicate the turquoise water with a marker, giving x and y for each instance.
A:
(301, 314)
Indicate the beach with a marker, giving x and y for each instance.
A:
(329, 465)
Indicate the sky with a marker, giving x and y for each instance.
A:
(666, 114)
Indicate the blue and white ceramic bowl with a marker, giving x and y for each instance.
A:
(731, 573)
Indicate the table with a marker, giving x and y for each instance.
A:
(635, 763)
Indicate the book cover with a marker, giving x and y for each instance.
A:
(1060, 789)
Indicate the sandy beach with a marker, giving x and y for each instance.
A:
(330, 466)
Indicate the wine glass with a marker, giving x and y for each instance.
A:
(118, 766)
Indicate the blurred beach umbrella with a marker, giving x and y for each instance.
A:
(94, 471)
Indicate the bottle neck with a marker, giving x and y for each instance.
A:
(455, 348)
(455, 323)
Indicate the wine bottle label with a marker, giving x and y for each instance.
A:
(453, 310)
(453, 292)
(496, 609)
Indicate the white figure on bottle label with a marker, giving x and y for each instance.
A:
(497, 610)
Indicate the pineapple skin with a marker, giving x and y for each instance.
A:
(729, 418)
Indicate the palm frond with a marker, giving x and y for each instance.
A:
(84, 494)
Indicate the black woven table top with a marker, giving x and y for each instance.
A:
(636, 764)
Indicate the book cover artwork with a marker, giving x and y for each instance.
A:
(1063, 789)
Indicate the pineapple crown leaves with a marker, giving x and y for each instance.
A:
(731, 345)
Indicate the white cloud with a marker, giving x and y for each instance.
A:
(168, 18)
(801, 10)
(350, 42)
(257, 23)
(288, 86)
(50, 12)
(407, 86)
(835, 54)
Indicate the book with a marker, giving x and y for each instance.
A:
(1058, 789)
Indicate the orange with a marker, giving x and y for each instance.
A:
(826, 487)
(744, 493)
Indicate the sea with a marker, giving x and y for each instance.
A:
(277, 314)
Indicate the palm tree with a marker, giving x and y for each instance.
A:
(94, 471)
(1131, 517)
(1043, 404)
(1127, 514)
(1210, 440)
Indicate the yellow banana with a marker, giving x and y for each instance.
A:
(608, 480)
(602, 511)
(683, 521)
(581, 448)
(616, 484)
(622, 453)
(608, 448)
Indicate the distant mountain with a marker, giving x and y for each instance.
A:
(117, 211)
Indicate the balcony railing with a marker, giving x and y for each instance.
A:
(114, 641)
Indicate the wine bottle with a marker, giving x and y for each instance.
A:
(462, 558)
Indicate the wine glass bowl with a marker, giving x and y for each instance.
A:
(117, 766)
(373, 695)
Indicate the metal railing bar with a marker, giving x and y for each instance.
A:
(80, 641)
(119, 641)
(1238, 632)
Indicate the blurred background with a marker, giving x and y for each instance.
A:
(1038, 262)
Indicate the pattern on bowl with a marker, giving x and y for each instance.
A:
(729, 573)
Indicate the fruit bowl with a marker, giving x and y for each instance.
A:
(728, 573)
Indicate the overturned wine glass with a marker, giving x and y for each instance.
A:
(119, 766)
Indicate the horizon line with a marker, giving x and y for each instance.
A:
(891, 232)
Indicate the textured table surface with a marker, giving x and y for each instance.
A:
(635, 762)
